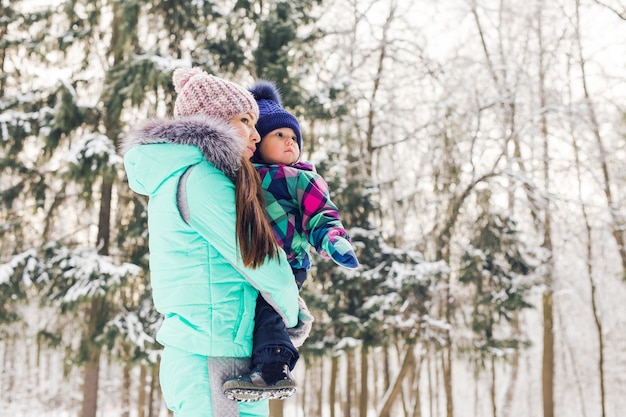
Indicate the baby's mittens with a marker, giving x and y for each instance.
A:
(301, 331)
(340, 250)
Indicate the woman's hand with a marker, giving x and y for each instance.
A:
(301, 331)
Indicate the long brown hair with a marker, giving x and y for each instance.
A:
(254, 234)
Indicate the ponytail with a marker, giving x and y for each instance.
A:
(254, 234)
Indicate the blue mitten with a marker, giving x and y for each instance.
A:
(301, 331)
(340, 250)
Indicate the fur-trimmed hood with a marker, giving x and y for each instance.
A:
(211, 139)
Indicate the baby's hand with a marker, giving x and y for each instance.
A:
(340, 250)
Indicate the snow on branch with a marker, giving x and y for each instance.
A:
(93, 147)
(23, 266)
(132, 326)
(65, 274)
(87, 273)
(162, 63)
(11, 119)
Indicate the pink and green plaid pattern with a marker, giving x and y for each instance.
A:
(299, 210)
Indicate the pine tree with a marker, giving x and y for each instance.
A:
(498, 269)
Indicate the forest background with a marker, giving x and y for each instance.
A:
(475, 148)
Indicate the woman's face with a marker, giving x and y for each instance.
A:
(243, 124)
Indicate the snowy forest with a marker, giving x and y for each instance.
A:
(476, 150)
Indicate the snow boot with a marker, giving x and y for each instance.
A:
(271, 381)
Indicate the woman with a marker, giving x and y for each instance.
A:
(211, 249)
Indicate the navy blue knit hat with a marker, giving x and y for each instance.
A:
(272, 116)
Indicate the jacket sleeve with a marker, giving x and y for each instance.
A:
(320, 216)
(211, 200)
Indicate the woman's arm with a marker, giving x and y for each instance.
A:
(211, 201)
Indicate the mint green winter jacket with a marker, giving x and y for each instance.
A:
(199, 283)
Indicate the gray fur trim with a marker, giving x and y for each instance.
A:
(216, 139)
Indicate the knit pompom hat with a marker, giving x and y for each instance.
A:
(272, 116)
(202, 94)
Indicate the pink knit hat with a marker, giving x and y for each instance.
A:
(201, 93)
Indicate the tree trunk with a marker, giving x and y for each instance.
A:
(141, 392)
(97, 315)
(125, 391)
(154, 396)
(618, 225)
(305, 385)
(395, 389)
(548, 355)
(41, 371)
(30, 369)
(576, 380)
(592, 283)
(494, 409)
(446, 360)
(104, 221)
(407, 389)
(387, 367)
(432, 368)
(547, 301)
(417, 404)
(3, 349)
(3, 32)
(90, 387)
(9, 367)
(96, 318)
(320, 388)
(364, 394)
(332, 387)
(350, 383)
(276, 408)
(376, 371)
(369, 151)
(597, 321)
(507, 407)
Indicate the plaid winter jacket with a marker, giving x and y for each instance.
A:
(300, 210)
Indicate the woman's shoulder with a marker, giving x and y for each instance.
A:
(217, 141)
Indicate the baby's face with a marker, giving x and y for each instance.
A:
(280, 146)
